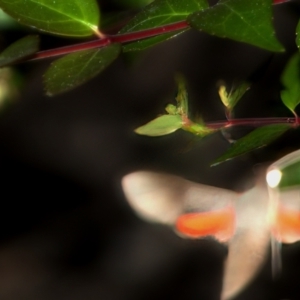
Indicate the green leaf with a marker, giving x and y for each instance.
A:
(7, 22)
(258, 138)
(171, 109)
(290, 175)
(182, 95)
(181, 98)
(76, 68)
(63, 17)
(298, 35)
(231, 99)
(133, 3)
(241, 20)
(162, 125)
(158, 13)
(291, 81)
(19, 50)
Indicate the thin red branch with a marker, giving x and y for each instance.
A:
(119, 38)
(256, 122)
(280, 1)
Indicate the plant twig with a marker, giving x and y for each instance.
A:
(118, 38)
(108, 39)
(256, 122)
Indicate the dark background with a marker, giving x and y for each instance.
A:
(66, 229)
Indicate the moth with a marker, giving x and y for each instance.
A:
(248, 222)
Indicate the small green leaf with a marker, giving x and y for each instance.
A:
(298, 35)
(63, 17)
(182, 95)
(241, 20)
(171, 109)
(159, 13)
(162, 125)
(76, 68)
(181, 98)
(19, 50)
(290, 175)
(231, 99)
(258, 138)
(291, 81)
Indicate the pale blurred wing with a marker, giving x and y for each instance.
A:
(289, 159)
(163, 198)
(155, 197)
(248, 249)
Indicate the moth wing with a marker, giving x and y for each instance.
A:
(166, 199)
(248, 249)
(155, 197)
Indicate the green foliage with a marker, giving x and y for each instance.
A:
(298, 35)
(133, 3)
(158, 13)
(7, 22)
(75, 69)
(67, 17)
(19, 50)
(258, 138)
(240, 20)
(177, 117)
(290, 175)
(232, 98)
(162, 125)
(182, 96)
(291, 81)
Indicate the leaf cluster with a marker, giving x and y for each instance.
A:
(177, 117)
(240, 20)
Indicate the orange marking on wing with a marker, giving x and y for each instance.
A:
(286, 227)
(220, 224)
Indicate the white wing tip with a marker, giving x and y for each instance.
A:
(153, 196)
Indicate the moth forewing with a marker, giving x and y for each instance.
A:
(208, 211)
(199, 197)
(163, 198)
(155, 197)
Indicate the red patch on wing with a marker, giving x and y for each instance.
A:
(286, 227)
(219, 223)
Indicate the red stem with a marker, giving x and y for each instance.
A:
(119, 38)
(279, 1)
(257, 122)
